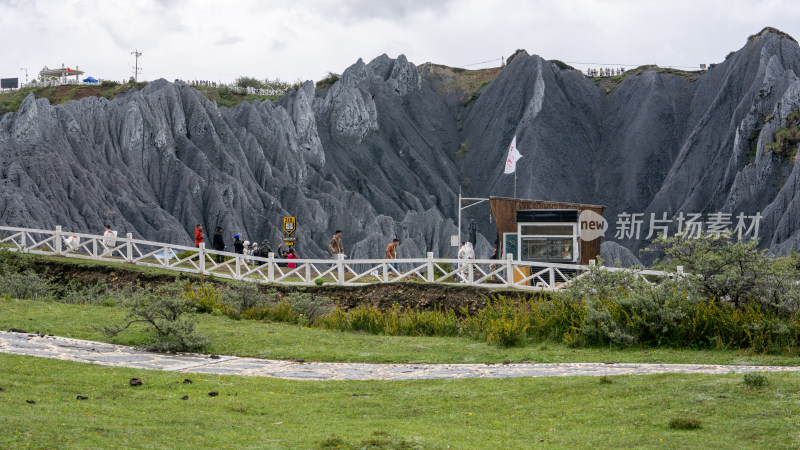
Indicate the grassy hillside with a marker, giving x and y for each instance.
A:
(39, 409)
(11, 101)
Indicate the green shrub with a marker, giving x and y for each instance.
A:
(167, 315)
(294, 308)
(754, 380)
(719, 267)
(508, 332)
(366, 318)
(26, 285)
(99, 293)
(414, 322)
(204, 297)
(242, 297)
(684, 423)
(15, 261)
(186, 254)
(329, 80)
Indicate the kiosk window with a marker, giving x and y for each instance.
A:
(547, 242)
(547, 230)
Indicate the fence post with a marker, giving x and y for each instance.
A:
(470, 272)
(552, 278)
(57, 243)
(431, 273)
(340, 268)
(271, 267)
(129, 247)
(23, 241)
(385, 269)
(680, 272)
(238, 267)
(94, 248)
(202, 254)
(509, 271)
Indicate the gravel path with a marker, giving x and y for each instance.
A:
(121, 356)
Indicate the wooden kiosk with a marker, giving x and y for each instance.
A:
(543, 231)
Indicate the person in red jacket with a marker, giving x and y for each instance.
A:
(292, 255)
(198, 235)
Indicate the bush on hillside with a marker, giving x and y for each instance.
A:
(328, 81)
(721, 268)
(167, 315)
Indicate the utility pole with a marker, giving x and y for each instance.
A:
(136, 69)
(24, 69)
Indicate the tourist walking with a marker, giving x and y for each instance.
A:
(109, 238)
(198, 235)
(219, 244)
(335, 246)
(238, 244)
(391, 252)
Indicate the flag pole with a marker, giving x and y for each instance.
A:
(515, 184)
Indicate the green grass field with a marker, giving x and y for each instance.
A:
(284, 341)
(250, 412)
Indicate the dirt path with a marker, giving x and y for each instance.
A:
(121, 356)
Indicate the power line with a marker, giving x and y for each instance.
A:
(137, 70)
(483, 62)
(624, 65)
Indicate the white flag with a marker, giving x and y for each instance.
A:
(513, 156)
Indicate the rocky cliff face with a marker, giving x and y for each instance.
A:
(378, 153)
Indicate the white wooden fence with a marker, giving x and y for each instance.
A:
(474, 272)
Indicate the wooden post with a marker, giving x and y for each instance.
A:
(271, 267)
(509, 271)
(340, 268)
(94, 248)
(431, 272)
(238, 267)
(57, 245)
(202, 254)
(129, 247)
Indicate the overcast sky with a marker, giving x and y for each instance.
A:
(304, 39)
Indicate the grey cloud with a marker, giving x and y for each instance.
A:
(227, 39)
(349, 11)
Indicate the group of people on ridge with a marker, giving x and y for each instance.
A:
(605, 72)
(243, 247)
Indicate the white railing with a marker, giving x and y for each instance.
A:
(59, 82)
(490, 273)
(238, 89)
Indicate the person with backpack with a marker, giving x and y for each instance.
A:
(219, 244)
(238, 244)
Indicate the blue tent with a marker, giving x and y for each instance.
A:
(90, 80)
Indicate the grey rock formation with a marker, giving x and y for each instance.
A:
(615, 255)
(375, 154)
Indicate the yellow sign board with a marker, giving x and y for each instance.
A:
(289, 225)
